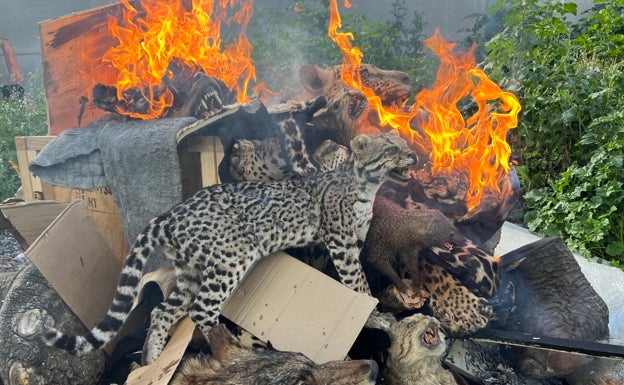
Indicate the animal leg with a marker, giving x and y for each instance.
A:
(216, 286)
(165, 315)
(387, 270)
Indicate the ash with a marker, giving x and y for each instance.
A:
(12, 256)
(491, 364)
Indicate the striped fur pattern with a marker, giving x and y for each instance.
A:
(214, 238)
(415, 353)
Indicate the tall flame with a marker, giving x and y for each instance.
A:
(187, 33)
(477, 145)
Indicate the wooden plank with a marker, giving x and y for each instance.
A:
(72, 48)
(27, 149)
(211, 153)
(22, 161)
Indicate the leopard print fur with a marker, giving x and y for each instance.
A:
(214, 238)
(472, 266)
(452, 259)
(265, 160)
(345, 116)
(392, 87)
(257, 160)
(459, 310)
(330, 155)
(398, 237)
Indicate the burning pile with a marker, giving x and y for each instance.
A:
(170, 61)
(163, 45)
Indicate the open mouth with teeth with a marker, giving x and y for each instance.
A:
(430, 336)
(400, 174)
(357, 104)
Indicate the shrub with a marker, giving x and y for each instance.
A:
(285, 40)
(19, 116)
(568, 75)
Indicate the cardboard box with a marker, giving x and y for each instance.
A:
(199, 161)
(76, 260)
(297, 308)
(281, 300)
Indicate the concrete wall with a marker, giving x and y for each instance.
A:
(19, 20)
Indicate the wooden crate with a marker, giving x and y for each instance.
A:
(199, 160)
(72, 47)
(100, 203)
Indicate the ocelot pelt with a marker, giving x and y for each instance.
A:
(215, 237)
(456, 275)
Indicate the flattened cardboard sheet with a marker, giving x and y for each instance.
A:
(72, 255)
(32, 218)
(297, 308)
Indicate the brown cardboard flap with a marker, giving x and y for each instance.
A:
(297, 308)
(72, 255)
(161, 371)
(32, 218)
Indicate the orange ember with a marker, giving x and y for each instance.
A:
(476, 145)
(184, 32)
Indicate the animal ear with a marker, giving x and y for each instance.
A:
(359, 143)
(313, 78)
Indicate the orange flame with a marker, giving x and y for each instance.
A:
(164, 32)
(477, 145)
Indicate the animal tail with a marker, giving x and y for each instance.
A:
(109, 325)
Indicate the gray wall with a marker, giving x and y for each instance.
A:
(19, 20)
(19, 24)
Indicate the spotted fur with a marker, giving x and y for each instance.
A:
(214, 238)
(424, 246)
(272, 158)
(330, 155)
(459, 310)
(258, 160)
(400, 236)
(392, 87)
(346, 115)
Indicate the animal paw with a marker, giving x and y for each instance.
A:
(412, 297)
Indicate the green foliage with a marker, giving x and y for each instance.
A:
(567, 71)
(286, 40)
(19, 117)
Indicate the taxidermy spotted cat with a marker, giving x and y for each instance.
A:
(214, 238)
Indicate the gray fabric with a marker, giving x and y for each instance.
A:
(137, 159)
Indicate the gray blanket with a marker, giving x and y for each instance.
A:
(138, 161)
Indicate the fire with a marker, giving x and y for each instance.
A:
(184, 32)
(476, 145)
